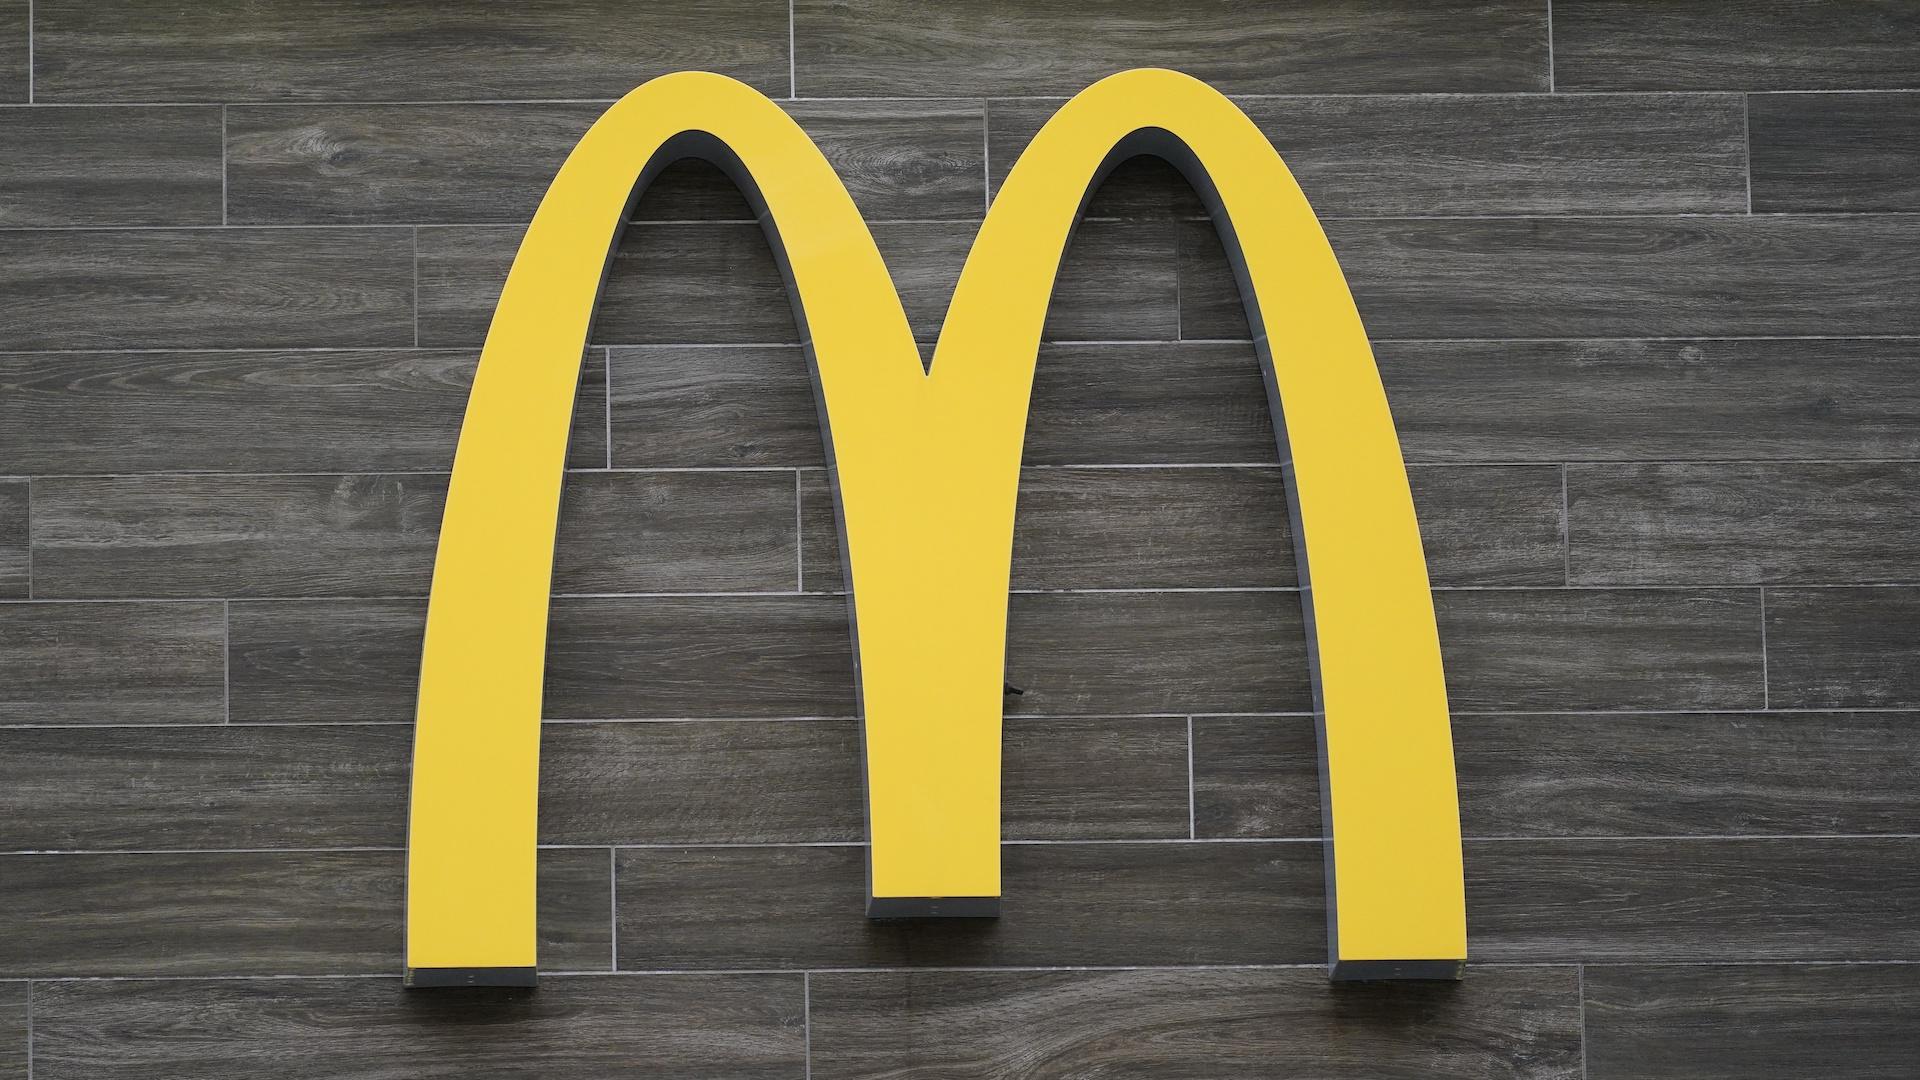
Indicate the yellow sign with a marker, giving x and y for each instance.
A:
(926, 469)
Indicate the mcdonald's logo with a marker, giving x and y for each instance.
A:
(926, 469)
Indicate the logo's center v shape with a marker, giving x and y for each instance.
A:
(926, 470)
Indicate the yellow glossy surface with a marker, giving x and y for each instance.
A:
(927, 474)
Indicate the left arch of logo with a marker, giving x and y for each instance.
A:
(926, 471)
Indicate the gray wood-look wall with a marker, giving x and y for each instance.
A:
(1644, 280)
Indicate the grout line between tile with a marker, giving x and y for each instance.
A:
(1746, 138)
(223, 179)
(806, 1023)
(29, 513)
(606, 371)
(416, 286)
(1566, 527)
(1580, 986)
(1192, 831)
(613, 909)
(799, 542)
(226, 661)
(1766, 680)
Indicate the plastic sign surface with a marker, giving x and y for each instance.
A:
(926, 470)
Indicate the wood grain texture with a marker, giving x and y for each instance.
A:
(1714, 276)
(1597, 649)
(1711, 400)
(482, 163)
(375, 535)
(1703, 901)
(349, 410)
(923, 1025)
(1092, 404)
(370, 50)
(800, 781)
(1426, 154)
(16, 564)
(653, 657)
(255, 913)
(16, 78)
(1843, 648)
(713, 407)
(1156, 652)
(1848, 1022)
(716, 282)
(1851, 152)
(1064, 904)
(1736, 524)
(153, 789)
(118, 166)
(728, 656)
(16, 1016)
(205, 288)
(734, 1026)
(321, 661)
(118, 663)
(1229, 528)
(1589, 775)
(1742, 45)
(887, 48)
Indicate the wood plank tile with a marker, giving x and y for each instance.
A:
(1065, 904)
(212, 536)
(887, 48)
(122, 663)
(1158, 403)
(1597, 277)
(710, 283)
(713, 407)
(255, 913)
(396, 164)
(370, 50)
(649, 657)
(320, 661)
(480, 163)
(205, 288)
(1168, 652)
(694, 1026)
(1835, 151)
(678, 532)
(1846, 1022)
(698, 283)
(1843, 648)
(300, 411)
(16, 79)
(148, 789)
(1700, 900)
(670, 657)
(1651, 400)
(1571, 775)
(375, 535)
(1760, 45)
(1752, 774)
(1601, 649)
(16, 1014)
(147, 165)
(16, 563)
(799, 781)
(1106, 403)
(1593, 154)
(1738, 523)
(1512, 1022)
(1229, 528)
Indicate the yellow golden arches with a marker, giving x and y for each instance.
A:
(926, 469)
